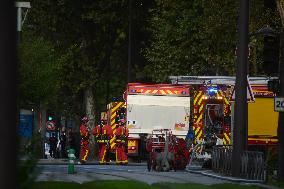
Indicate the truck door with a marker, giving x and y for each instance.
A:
(214, 118)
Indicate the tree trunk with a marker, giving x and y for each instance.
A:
(89, 104)
(280, 8)
(280, 131)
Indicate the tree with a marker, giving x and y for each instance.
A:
(37, 69)
(199, 37)
(89, 43)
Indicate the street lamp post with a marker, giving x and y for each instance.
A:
(21, 6)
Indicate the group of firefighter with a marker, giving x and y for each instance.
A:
(103, 133)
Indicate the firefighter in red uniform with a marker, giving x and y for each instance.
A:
(97, 134)
(121, 135)
(103, 134)
(84, 132)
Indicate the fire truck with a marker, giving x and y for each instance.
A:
(262, 119)
(200, 103)
(155, 106)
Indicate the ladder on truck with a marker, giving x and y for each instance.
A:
(225, 80)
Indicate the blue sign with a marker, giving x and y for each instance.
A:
(26, 126)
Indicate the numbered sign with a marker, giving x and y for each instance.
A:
(279, 104)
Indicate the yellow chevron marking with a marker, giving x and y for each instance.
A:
(169, 92)
(155, 91)
(115, 107)
(201, 108)
(200, 100)
(224, 97)
(196, 97)
(200, 117)
(227, 137)
(162, 91)
(148, 91)
(113, 111)
(176, 92)
(199, 135)
(113, 122)
(224, 141)
(196, 131)
(113, 115)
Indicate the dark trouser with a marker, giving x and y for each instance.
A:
(52, 152)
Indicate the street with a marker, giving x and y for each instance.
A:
(86, 173)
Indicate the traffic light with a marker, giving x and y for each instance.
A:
(49, 116)
(271, 55)
(274, 86)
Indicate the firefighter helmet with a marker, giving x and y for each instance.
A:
(85, 119)
(122, 122)
(103, 121)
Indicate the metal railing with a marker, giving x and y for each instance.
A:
(252, 163)
(222, 159)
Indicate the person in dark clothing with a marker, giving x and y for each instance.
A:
(72, 141)
(52, 144)
(63, 145)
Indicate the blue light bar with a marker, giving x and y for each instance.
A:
(211, 90)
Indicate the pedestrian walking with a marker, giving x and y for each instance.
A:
(52, 145)
(63, 145)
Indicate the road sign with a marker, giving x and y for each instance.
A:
(279, 104)
(50, 126)
(250, 95)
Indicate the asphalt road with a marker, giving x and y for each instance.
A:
(85, 173)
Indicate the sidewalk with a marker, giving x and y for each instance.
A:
(65, 162)
(198, 170)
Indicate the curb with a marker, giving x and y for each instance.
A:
(206, 173)
(88, 163)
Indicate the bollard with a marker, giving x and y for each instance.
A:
(71, 166)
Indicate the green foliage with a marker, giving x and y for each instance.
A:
(89, 44)
(37, 68)
(27, 173)
(199, 37)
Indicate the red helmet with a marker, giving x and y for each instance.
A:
(85, 119)
(122, 121)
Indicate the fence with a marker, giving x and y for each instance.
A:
(252, 162)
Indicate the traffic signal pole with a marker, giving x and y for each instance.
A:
(240, 116)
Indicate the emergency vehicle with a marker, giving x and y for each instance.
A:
(155, 106)
(201, 103)
(262, 119)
